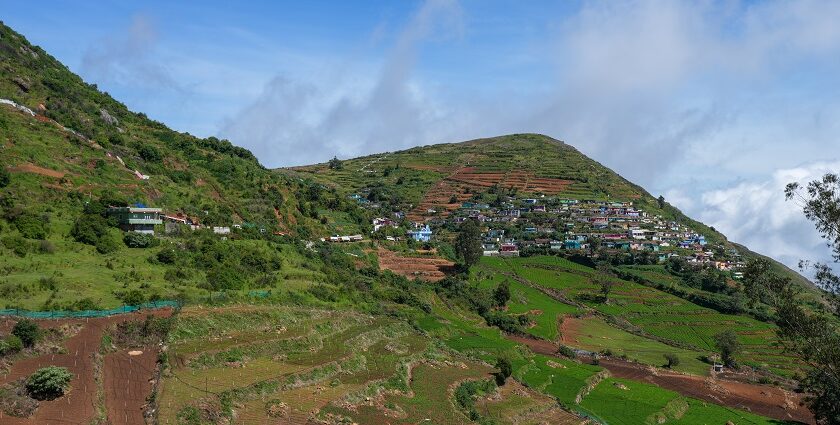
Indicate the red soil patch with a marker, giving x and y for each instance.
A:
(79, 405)
(128, 381)
(570, 329)
(34, 169)
(430, 269)
(762, 400)
(438, 196)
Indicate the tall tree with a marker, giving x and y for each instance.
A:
(728, 345)
(604, 280)
(502, 293)
(468, 243)
(810, 332)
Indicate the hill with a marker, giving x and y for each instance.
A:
(277, 321)
(429, 183)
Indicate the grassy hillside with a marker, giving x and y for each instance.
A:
(282, 326)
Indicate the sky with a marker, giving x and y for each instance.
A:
(715, 105)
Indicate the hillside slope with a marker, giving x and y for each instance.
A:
(441, 177)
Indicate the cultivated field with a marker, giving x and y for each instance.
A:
(108, 384)
(260, 365)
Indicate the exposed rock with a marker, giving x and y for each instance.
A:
(22, 82)
(108, 118)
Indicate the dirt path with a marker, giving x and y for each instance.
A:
(78, 406)
(762, 400)
(34, 169)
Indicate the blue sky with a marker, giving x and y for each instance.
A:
(716, 105)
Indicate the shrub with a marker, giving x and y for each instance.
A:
(132, 297)
(505, 370)
(27, 331)
(149, 153)
(48, 383)
(31, 226)
(106, 245)
(46, 247)
(10, 345)
(17, 244)
(139, 240)
(566, 351)
(167, 255)
(224, 277)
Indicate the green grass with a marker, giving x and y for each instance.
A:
(596, 335)
(655, 312)
(621, 401)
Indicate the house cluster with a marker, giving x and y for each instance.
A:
(571, 224)
(142, 219)
(554, 223)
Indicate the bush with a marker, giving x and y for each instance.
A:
(48, 383)
(31, 226)
(224, 277)
(10, 345)
(27, 331)
(140, 240)
(132, 297)
(17, 244)
(167, 255)
(505, 370)
(672, 360)
(149, 153)
(106, 245)
(566, 351)
(46, 247)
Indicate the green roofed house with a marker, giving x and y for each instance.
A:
(137, 219)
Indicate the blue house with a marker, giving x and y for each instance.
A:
(423, 234)
(572, 244)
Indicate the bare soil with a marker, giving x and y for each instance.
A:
(34, 169)
(428, 268)
(78, 405)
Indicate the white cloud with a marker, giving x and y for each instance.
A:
(129, 58)
(757, 215)
(349, 113)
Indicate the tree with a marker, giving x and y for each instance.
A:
(661, 201)
(811, 333)
(27, 331)
(672, 360)
(48, 383)
(604, 281)
(335, 164)
(728, 345)
(468, 243)
(505, 370)
(502, 293)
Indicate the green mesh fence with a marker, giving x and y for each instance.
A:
(87, 313)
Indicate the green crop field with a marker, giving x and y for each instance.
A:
(620, 401)
(657, 313)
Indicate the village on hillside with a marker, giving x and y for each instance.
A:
(545, 224)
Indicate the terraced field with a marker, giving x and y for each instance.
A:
(258, 365)
(657, 314)
(582, 388)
